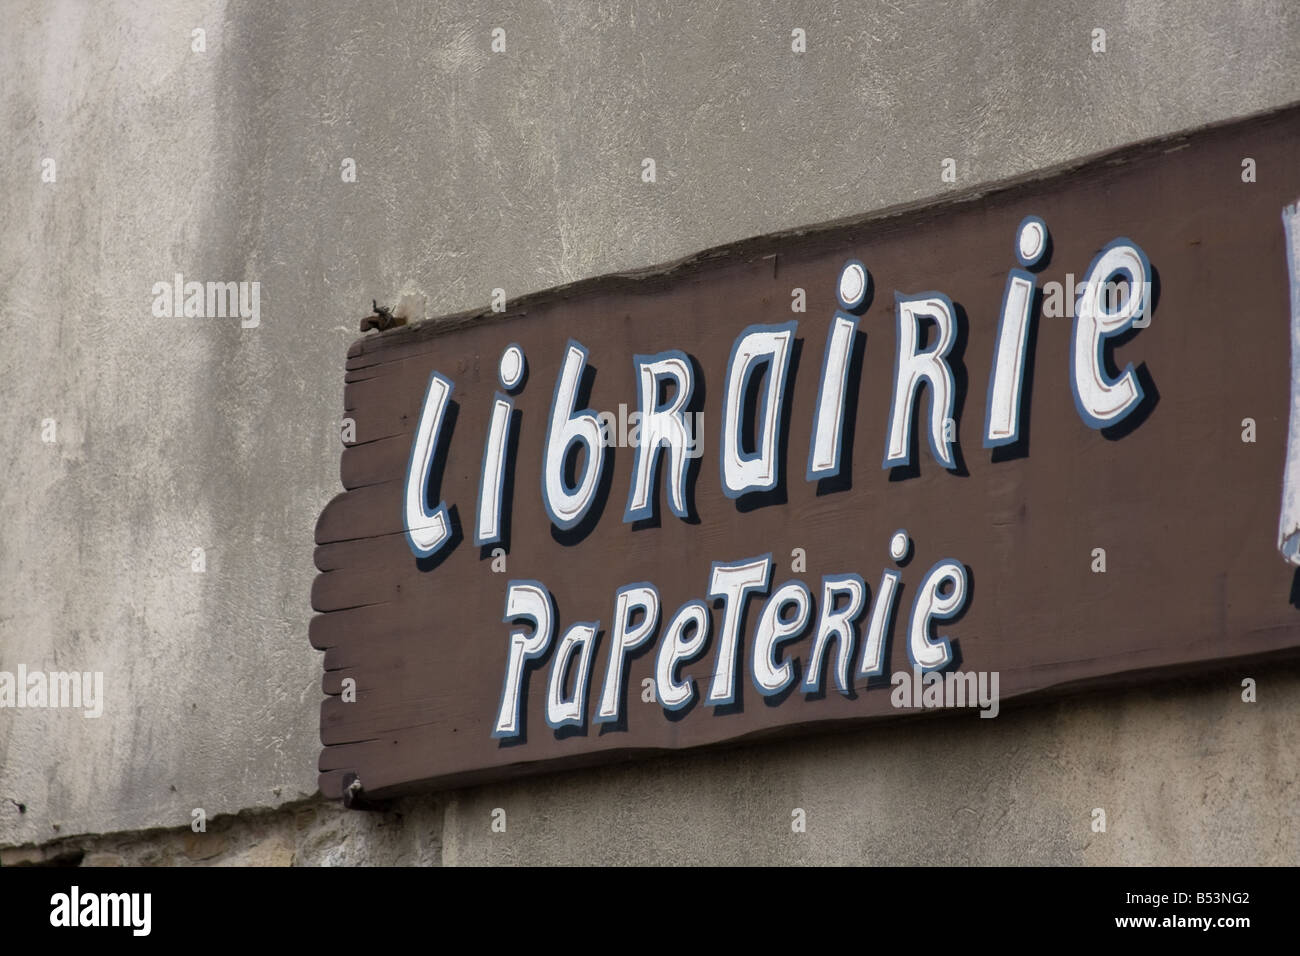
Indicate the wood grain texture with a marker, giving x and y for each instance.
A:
(1186, 512)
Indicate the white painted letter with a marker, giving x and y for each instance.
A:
(836, 624)
(567, 507)
(1100, 401)
(824, 453)
(627, 637)
(930, 605)
(675, 649)
(913, 368)
(660, 426)
(525, 601)
(426, 532)
(561, 712)
(733, 584)
(774, 630)
(492, 477)
(758, 345)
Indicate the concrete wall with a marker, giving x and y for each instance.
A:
(518, 170)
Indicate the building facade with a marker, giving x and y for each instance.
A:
(167, 469)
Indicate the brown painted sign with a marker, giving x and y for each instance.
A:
(1030, 440)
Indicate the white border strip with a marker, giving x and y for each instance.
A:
(1288, 531)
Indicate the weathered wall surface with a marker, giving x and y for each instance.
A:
(518, 170)
(1185, 772)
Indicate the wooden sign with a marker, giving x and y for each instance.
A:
(1028, 441)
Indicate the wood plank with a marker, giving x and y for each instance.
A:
(1186, 512)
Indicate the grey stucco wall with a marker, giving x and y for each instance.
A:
(521, 171)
